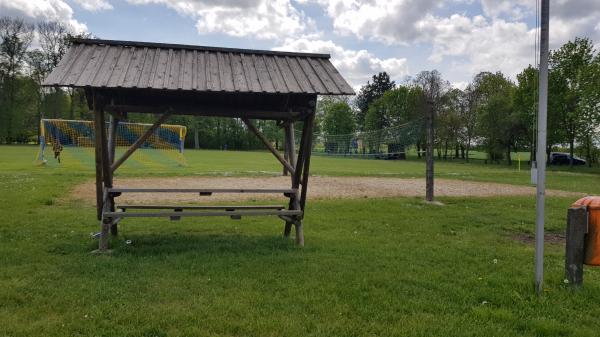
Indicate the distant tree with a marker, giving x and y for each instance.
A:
(525, 105)
(569, 65)
(370, 92)
(338, 121)
(15, 38)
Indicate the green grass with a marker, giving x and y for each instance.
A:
(210, 162)
(377, 267)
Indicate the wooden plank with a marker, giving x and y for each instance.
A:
(204, 190)
(275, 74)
(287, 74)
(186, 78)
(201, 71)
(139, 142)
(107, 67)
(341, 83)
(263, 75)
(93, 66)
(160, 68)
(202, 213)
(149, 70)
(120, 70)
(250, 73)
(299, 75)
(292, 142)
(577, 227)
(213, 81)
(324, 76)
(315, 82)
(239, 79)
(134, 71)
(56, 76)
(225, 73)
(232, 207)
(167, 76)
(268, 144)
(78, 66)
(175, 65)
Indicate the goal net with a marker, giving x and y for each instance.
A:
(71, 142)
(386, 143)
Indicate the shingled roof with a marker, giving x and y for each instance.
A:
(125, 64)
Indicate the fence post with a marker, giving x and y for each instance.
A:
(577, 224)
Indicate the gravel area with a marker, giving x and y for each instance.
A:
(319, 188)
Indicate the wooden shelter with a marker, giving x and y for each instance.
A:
(120, 77)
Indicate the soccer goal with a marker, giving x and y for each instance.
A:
(72, 142)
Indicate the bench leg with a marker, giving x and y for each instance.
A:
(299, 234)
(114, 228)
(103, 241)
(287, 229)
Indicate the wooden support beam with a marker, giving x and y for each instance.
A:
(294, 201)
(98, 157)
(140, 141)
(266, 142)
(577, 227)
(203, 190)
(292, 142)
(112, 144)
(307, 153)
(101, 173)
(252, 212)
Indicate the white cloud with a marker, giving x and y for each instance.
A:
(42, 10)
(356, 66)
(94, 5)
(388, 21)
(262, 19)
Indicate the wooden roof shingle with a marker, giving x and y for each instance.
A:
(143, 65)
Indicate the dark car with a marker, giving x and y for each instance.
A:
(560, 158)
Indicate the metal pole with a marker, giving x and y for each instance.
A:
(541, 148)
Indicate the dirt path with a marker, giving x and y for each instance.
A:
(319, 188)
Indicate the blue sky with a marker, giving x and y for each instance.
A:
(402, 37)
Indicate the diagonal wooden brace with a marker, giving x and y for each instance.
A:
(266, 142)
(139, 142)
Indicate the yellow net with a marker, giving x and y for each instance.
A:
(73, 141)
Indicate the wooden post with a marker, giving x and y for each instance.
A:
(101, 173)
(296, 176)
(577, 226)
(112, 143)
(98, 158)
(429, 152)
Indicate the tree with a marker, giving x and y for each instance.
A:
(525, 105)
(500, 127)
(15, 38)
(568, 66)
(370, 92)
(338, 120)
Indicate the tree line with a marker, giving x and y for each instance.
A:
(493, 113)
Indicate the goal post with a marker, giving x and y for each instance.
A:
(68, 141)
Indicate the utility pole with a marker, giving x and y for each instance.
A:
(541, 148)
(429, 151)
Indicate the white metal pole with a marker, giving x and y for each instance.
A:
(541, 147)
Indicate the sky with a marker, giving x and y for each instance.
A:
(402, 37)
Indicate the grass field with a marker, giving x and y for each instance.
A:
(377, 267)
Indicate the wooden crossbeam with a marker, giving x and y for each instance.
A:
(140, 141)
(283, 212)
(205, 207)
(266, 142)
(203, 190)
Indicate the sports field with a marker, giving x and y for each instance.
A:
(372, 266)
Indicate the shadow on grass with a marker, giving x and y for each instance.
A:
(196, 243)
